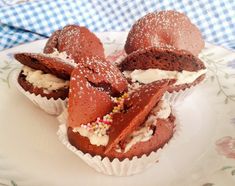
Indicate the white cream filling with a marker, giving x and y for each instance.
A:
(164, 111)
(142, 135)
(62, 55)
(151, 75)
(39, 79)
(93, 137)
(161, 111)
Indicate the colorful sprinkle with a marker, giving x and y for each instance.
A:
(101, 125)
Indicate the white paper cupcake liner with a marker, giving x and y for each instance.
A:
(116, 167)
(175, 98)
(50, 106)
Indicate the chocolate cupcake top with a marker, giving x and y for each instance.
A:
(164, 28)
(52, 43)
(161, 58)
(78, 42)
(135, 110)
(93, 84)
(47, 64)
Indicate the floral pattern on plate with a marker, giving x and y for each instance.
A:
(217, 166)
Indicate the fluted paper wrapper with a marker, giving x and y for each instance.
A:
(50, 106)
(175, 98)
(115, 167)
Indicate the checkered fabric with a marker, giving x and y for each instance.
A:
(34, 20)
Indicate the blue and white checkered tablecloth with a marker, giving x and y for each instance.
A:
(25, 22)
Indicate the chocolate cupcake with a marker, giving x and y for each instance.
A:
(45, 80)
(114, 129)
(76, 41)
(155, 64)
(164, 29)
(133, 130)
(45, 76)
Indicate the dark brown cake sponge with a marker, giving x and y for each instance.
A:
(48, 65)
(163, 59)
(91, 86)
(136, 109)
(52, 43)
(77, 41)
(165, 28)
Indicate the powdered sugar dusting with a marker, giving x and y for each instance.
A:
(79, 42)
(69, 38)
(147, 26)
(110, 73)
(164, 28)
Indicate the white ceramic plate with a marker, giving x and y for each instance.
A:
(202, 155)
